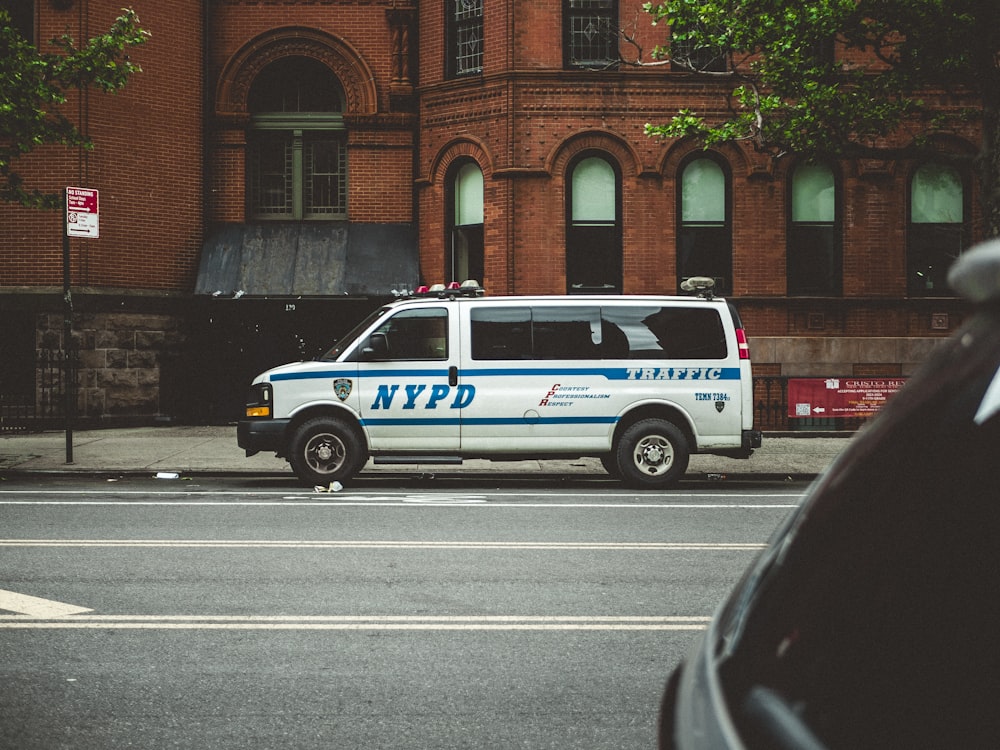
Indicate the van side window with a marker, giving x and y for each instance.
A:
(582, 332)
(663, 333)
(566, 332)
(501, 333)
(420, 333)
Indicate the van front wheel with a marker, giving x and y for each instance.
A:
(610, 463)
(325, 450)
(652, 454)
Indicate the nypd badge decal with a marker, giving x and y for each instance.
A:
(342, 387)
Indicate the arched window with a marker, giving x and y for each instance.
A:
(593, 227)
(936, 231)
(704, 239)
(465, 220)
(814, 248)
(296, 155)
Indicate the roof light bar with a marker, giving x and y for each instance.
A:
(703, 286)
(468, 288)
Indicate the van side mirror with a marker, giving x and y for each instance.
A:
(377, 347)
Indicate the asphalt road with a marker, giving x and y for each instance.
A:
(245, 613)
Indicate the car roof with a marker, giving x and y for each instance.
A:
(976, 273)
(575, 300)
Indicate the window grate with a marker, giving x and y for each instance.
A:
(271, 178)
(467, 21)
(592, 33)
(325, 179)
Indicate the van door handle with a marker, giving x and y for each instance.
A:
(453, 375)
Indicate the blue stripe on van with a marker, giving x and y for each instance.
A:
(452, 421)
(353, 373)
(665, 372)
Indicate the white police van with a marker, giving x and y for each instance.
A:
(640, 382)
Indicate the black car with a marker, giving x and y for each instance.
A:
(872, 620)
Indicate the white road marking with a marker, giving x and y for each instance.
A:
(403, 498)
(384, 544)
(355, 623)
(36, 607)
(296, 502)
(372, 494)
(431, 499)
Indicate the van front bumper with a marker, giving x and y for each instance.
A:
(256, 435)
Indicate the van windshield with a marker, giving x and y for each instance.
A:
(344, 343)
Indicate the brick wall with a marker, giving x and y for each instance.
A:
(146, 163)
(356, 40)
(167, 170)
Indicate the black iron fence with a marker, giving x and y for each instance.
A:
(45, 407)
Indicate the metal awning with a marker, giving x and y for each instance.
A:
(314, 259)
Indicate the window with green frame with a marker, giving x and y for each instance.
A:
(594, 226)
(296, 145)
(937, 232)
(705, 232)
(814, 250)
(465, 252)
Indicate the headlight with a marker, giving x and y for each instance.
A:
(259, 401)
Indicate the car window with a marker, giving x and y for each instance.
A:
(588, 332)
(666, 332)
(416, 334)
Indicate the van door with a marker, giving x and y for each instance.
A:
(538, 380)
(409, 395)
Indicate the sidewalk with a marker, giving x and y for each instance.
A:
(188, 450)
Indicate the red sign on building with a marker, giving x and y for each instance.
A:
(82, 215)
(839, 397)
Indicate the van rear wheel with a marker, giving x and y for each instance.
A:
(325, 450)
(652, 454)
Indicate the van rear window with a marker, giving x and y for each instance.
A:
(582, 332)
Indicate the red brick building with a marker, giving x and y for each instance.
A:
(280, 167)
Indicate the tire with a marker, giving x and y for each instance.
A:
(325, 450)
(652, 454)
(610, 463)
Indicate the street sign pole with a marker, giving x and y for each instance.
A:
(81, 219)
(69, 386)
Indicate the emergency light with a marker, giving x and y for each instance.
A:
(468, 288)
(703, 286)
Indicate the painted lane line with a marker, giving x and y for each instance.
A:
(357, 623)
(293, 502)
(386, 544)
(33, 606)
(380, 494)
(443, 499)
(378, 619)
(73, 625)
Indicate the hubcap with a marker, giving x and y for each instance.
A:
(653, 455)
(325, 454)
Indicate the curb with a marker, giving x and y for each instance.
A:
(717, 478)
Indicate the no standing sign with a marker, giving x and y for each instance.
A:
(82, 216)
